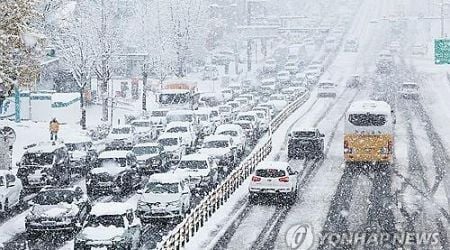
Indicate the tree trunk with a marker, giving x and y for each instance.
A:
(105, 95)
(83, 110)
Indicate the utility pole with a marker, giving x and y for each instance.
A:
(442, 18)
(249, 41)
(144, 85)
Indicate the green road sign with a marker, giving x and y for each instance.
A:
(442, 51)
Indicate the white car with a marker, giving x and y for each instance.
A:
(270, 65)
(409, 90)
(221, 148)
(164, 196)
(121, 137)
(274, 178)
(183, 130)
(237, 134)
(248, 127)
(150, 158)
(284, 77)
(291, 66)
(269, 85)
(158, 119)
(173, 146)
(10, 191)
(250, 116)
(204, 117)
(299, 79)
(144, 130)
(112, 224)
(264, 120)
(278, 101)
(201, 170)
(227, 94)
(251, 99)
(326, 88)
(244, 104)
(267, 109)
(226, 112)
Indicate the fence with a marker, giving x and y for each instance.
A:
(179, 236)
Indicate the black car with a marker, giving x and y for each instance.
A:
(57, 209)
(115, 173)
(44, 164)
(306, 143)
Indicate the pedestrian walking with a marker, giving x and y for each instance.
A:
(54, 129)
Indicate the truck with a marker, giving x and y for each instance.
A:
(305, 143)
(178, 94)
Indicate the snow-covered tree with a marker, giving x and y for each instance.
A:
(20, 50)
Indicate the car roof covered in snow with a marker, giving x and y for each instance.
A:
(114, 154)
(266, 80)
(44, 147)
(217, 138)
(228, 127)
(203, 111)
(252, 113)
(77, 139)
(165, 178)
(272, 165)
(180, 112)
(121, 126)
(304, 129)
(111, 208)
(178, 124)
(369, 106)
(409, 83)
(195, 157)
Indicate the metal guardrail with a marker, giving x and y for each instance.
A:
(181, 234)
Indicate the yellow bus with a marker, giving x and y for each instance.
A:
(369, 133)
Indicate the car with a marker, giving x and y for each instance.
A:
(150, 158)
(82, 153)
(210, 73)
(270, 65)
(200, 170)
(173, 146)
(11, 191)
(223, 56)
(227, 94)
(326, 88)
(409, 90)
(207, 125)
(330, 43)
(268, 86)
(305, 143)
(354, 81)
(298, 80)
(385, 62)
(115, 173)
(274, 178)
(244, 104)
(183, 115)
(236, 133)
(249, 129)
(144, 130)
(395, 47)
(226, 112)
(164, 196)
(251, 99)
(351, 45)
(266, 109)
(234, 105)
(42, 164)
(158, 119)
(284, 77)
(110, 225)
(121, 137)
(252, 117)
(57, 209)
(208, 99)
(264, 120)
(278, 101)
(184, 130)
(222, 149)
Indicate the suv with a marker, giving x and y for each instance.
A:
(150, 158)
(158, 119)
(44, 164)
(173, 146)
(183, 130)
(200, 170)
(57, 209)
(236, 133)
(409, 90)
(305, 143)
(115, 173)
(222, 149)
(274, 178)
(144, 130)
(10, 191)
(164, 196)
(121, 137)
(110, 225)
(82, 154)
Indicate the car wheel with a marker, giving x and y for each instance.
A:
(6, 208)
(252, 199)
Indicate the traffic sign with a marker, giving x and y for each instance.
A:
(442, 51)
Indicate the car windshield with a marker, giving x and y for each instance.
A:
(39, 159)
(246, 118)
(180, 118)
(168, 141)
(141, 124)
(161, 188)
(177, 130)
(260, 115)
(270, 173)
(277, 98)
(367, 119)
(111, 162)
(245, 125)
(174, 98)
(106, 221)
(410, 86)
(121, 130)
(158, 113)
(229, 132)
(82, 146)
(326, 84)
(193, 164)
(224, 109)
(215, 144)
(145, 150)
(53, 197)
(303, 134)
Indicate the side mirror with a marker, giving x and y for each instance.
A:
(322, 135)
(18, 164)
(185, 192)
(290, 135)
(140, 192)
(31, 203)
(12, 184)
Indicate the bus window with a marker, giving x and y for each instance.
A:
(367, 119)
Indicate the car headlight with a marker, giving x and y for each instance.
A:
(176, 203)
(118, 240)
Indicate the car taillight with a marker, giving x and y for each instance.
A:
(256, 178)
(284, 179)
(347, 150)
